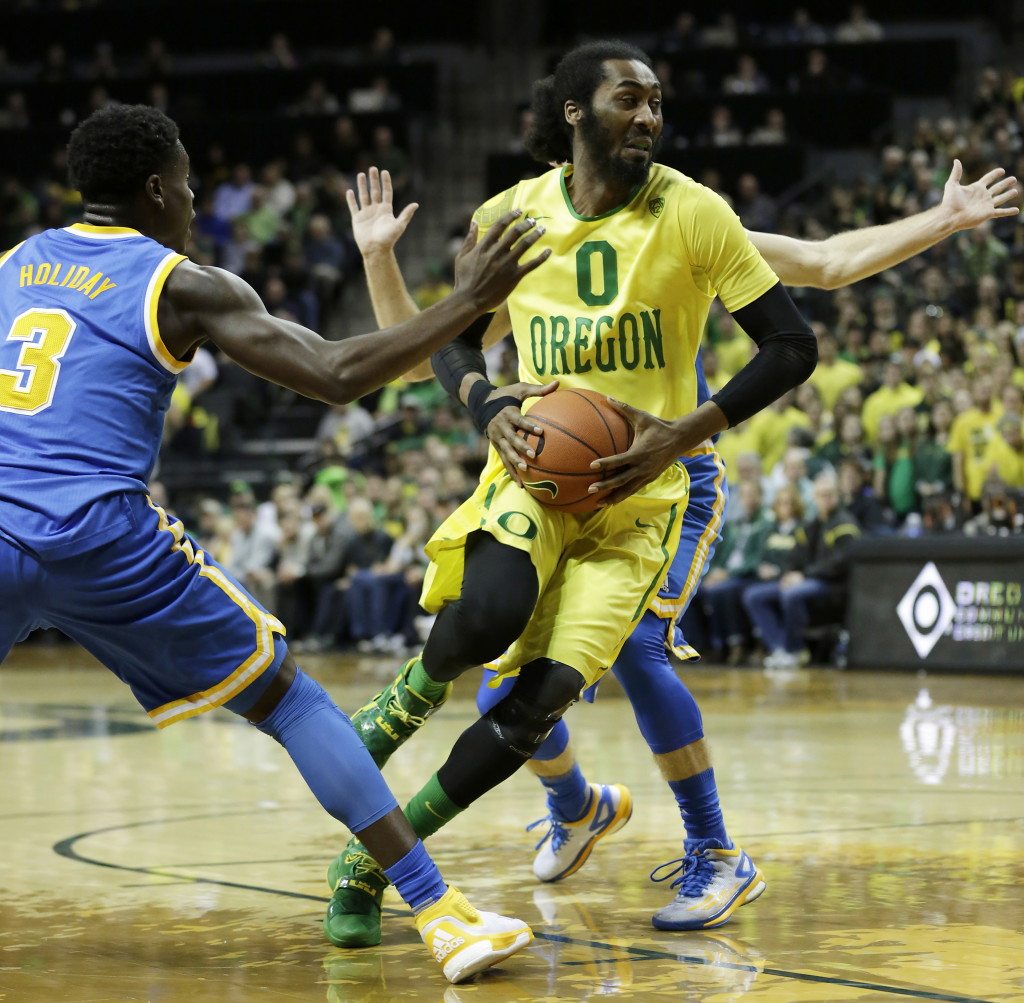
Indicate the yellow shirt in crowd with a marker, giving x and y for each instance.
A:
(887, 401)
(831, 381)
(770, 430)
(969, 435)
(1008, 463)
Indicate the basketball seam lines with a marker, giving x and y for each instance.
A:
(604, 421)
(541, 420)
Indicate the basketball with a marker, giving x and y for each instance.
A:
(580, 426)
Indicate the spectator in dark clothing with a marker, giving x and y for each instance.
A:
(780, 611)
(733, 570)
(324, 568)
(366, 554)
(859, 498)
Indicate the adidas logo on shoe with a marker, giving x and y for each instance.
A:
(444, 943)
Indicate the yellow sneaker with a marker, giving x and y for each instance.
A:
(465, 941)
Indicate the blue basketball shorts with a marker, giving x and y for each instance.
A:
(160, 613)
(701, 531)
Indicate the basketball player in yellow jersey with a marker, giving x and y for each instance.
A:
(638, 253)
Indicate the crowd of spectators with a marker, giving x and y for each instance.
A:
(912, 423)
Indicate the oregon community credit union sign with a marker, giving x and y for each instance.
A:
(942, 603)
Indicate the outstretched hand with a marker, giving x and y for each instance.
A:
(374, 224)
(489, 269)
(987, 198)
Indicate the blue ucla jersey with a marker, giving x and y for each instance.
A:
(85, 380)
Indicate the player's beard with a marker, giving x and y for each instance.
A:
(598, 141)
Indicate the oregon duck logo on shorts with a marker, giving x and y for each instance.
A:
(518, 524)
(655, 205)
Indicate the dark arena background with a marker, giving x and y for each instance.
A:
(868, 742)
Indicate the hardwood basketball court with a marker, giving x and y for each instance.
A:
(887, 812)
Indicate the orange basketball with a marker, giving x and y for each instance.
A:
(580, 426)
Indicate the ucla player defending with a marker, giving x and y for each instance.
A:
(666, 712)
(639, 252)
(97, 319)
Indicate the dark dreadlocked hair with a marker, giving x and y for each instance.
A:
(115, 149)
(576, 77)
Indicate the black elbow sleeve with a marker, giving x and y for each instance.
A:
(786, 357)
(462, 356)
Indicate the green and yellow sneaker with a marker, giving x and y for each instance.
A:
(358, 883)
(393, 715)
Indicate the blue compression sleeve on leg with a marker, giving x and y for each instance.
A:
(416, 878)
(329, 755)
(697, 798)
(665, 710)
(669, 719)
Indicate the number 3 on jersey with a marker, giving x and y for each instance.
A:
(29, 387)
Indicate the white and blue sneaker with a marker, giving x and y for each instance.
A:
(713, 883)
(565, 847)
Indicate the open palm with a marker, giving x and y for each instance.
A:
(977, 203)
(374, 223)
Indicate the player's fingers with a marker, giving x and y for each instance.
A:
(1002, 186)
(630, 413)
(993, 175)
(529, 240)
(513, 464)
(514, 234)
(495, 232)
(610, 483)
(956, 173)
(470, 242)
(614, 462)
(386, 189)
(407, 213)
(524, 390)
(374, 176)
(1007, 196)
(1011, 211)
(364, 194)
(520, 439)
(533, 263)
(350, 197)
(522, 447)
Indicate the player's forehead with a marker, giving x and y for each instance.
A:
(629, 73)
(179, 163)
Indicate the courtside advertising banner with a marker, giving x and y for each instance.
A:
(957, 607)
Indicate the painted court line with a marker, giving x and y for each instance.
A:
(67, 848)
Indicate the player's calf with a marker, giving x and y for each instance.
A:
(399, 710)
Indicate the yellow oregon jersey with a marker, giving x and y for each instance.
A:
(621, 304)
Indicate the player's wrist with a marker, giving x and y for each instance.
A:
(376, 253)
(947, 220)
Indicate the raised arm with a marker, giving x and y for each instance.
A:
(201, 303)
(848, 257)
(377, 230)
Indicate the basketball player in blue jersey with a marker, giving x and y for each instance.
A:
(668, 716)
(96, 321)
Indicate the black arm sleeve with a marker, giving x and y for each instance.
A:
(787, 353)
(461, 357)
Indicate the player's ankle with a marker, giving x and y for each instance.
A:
(422, 683)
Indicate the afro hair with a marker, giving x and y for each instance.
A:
(114, 151)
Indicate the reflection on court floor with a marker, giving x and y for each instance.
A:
(887, 812)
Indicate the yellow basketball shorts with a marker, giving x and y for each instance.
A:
(597, 572)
